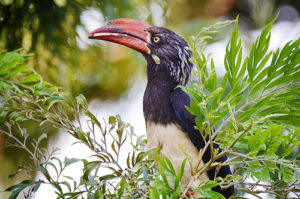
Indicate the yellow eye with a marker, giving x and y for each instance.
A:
(156, 39)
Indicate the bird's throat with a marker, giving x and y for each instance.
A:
(157, 105)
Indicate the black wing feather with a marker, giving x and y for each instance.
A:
(179, 99)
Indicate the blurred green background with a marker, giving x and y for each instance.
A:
(55, 32)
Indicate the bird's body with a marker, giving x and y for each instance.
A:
(169, 125)
(163, 127)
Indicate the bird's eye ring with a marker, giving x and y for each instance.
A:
(156, 39)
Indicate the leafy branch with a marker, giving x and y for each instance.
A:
(254, 109)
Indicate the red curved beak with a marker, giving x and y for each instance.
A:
(127, 32)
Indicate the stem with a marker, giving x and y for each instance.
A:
(21, 144)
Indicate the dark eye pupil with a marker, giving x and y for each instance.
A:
(156, 39)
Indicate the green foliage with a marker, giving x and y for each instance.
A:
(37, 100)
(254, 109)
(252, 112)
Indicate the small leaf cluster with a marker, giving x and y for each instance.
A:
(169, 184)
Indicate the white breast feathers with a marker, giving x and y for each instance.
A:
(174, 144)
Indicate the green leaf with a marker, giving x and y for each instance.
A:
(41, 137)
(107, 177)
(271, 165)
(163, 192)
(180, 174)
(52, 100)
(33, 78)
(98, 195)
(232, 60)
(5, 85)
(80, 134)
(19, 71)
(266, 175)
(81, 100)
(37, 186)
(176, 193)
(89, 167)
(113, 147)
(170, 166)
(121, 189)
(42, 91)
(112, 120)
(70, 161)
(287, 174)
(213, 194)
(92, 118)
(56, 185)
(45, 172)
(3, 115)
(255, 165)
(193, 94)
(67, 185)
(209, 185)
(160, 161)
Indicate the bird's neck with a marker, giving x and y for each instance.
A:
(157, 105)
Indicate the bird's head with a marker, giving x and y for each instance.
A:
(166, 53)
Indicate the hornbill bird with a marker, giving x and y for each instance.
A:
(168, 124)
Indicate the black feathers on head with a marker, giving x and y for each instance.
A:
(169, 54)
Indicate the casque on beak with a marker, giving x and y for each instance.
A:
(127, 32)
